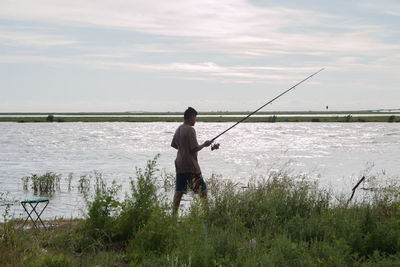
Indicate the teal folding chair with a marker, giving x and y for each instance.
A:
(34, 208)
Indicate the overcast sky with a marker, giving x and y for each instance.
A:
(235, 55)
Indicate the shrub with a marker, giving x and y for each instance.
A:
(50, 118)
(272, 118)
(348, 118)
(157, 237)
(103, 209)
(114, 220)
(137, 208)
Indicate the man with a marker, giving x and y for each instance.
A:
(187, 167)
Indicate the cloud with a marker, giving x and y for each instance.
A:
(187, 71)
(388, 7)
(213, 30)
(16, 38)
(227, 26)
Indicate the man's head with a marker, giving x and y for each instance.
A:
(190, 116)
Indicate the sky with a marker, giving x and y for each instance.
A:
(225, 55)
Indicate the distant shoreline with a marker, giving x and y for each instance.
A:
(171, 113)
(283, 116)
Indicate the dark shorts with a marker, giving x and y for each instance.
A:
(194, 181)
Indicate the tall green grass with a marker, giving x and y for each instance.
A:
(283, 220)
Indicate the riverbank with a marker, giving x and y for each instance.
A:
(282, 221)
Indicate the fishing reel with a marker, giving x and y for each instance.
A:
(214, 146)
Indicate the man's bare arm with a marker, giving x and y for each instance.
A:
(200, 147)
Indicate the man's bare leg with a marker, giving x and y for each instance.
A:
(177, 202)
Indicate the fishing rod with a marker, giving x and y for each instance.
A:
(216, 145)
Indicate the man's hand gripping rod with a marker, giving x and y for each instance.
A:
(216, 145)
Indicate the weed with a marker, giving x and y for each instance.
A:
(25, 183)
(69, 180)
(47, 183)
(168, 180)
(7, 225)
(84, 184)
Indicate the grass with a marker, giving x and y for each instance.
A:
(284, 220)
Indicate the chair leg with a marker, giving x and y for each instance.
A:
(29, 215)
(33, 210)
(38, 215)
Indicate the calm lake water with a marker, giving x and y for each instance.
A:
(334, 154)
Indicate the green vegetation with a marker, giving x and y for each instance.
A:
(284, 220)
(154, 114)
(50, 118)
(272, 118)
(341, 116)
(42, 184)
(392, 118)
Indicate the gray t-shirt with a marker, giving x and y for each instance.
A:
(185, 141)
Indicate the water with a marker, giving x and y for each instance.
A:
(334, 154)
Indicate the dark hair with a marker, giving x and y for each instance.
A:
(189, 113)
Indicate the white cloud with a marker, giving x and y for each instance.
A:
(389, 7)
(226, 28)
(17, 38)
(230, 26)
(191, 71)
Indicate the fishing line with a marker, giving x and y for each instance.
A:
(216, 145)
